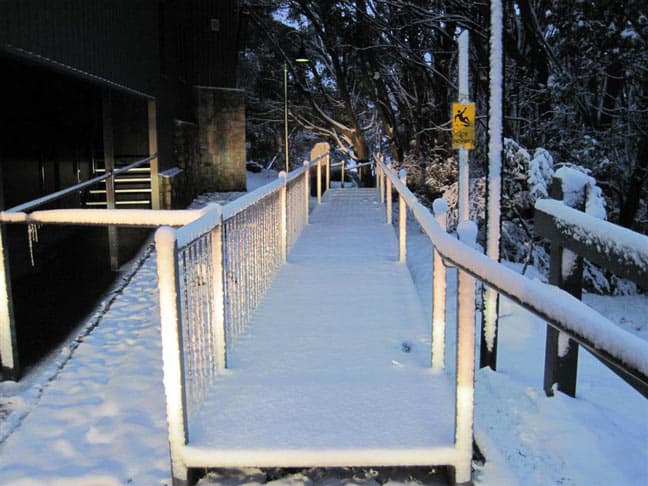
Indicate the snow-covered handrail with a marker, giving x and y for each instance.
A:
(620, 250)
(620, 350)
(144, 218)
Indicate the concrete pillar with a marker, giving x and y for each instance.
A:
(220, 113)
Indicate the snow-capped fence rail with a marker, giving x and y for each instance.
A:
(574, 235)
(619, 350)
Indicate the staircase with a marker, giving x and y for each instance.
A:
(132, 188)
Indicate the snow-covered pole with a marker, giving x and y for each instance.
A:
(488, 353)
(8, 346)
(388, 196)
(467, 231)
(306, 189)
(172, 346)
(319, 180)
(402, 221)
(327, 186)
(440, 208)
(566, 272)
(464, 172)
(283, 227)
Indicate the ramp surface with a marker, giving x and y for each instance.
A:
(336, 356)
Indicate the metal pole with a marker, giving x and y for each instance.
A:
(286, 116)
(440, 207)
(402, 221)
(464, 171)
(490, 314)
(109, 163)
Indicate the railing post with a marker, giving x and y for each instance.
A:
(319, 181)
(388, 196)
(402, 221)
(342, 173)
(283, 228)
(328, 171)
(306, 190)
(172, 348)
(153, 149)
(561, 353)
(218, 292)
(467, 231)
(440, 207)
(9, 367)
(109, 164)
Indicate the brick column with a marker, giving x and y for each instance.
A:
(220, 113)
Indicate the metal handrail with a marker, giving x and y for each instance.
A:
(34, 203)
(618, 349)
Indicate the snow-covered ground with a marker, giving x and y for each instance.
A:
(93, 414)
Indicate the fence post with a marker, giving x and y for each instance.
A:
(381, 184)
(388, 196)
(307, 189)
(467, 231)
(9, 367)
(402, 221)
(440, 207)
(109, 164)
(218, 291)
(328, 171)
(153, 149)
(342, 173)
(172, 346)
(319, 181)
(561, 353)
(283, 228)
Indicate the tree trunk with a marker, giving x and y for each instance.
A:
(630, 206)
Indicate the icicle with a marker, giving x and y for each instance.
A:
(32, 237)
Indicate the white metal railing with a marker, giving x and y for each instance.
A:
(621, 351)
(213, 273)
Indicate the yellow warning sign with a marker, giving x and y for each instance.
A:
(463, 125)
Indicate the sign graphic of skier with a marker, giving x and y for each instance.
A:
(463, 125)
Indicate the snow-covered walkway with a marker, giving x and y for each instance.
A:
(336, 357)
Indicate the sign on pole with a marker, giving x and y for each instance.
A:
(463, 125)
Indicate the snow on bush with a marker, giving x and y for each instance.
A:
(540, 174)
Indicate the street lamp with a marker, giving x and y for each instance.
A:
(301, 58)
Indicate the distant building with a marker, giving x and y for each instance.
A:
(155, 72)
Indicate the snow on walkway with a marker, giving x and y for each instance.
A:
(337, 355)
(102, 420)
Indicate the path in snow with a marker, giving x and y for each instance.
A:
(337, 355)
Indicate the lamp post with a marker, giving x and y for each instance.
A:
(301, 58)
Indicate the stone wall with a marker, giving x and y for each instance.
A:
(220, 113)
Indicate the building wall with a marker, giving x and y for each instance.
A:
(113, 39)
(138, 48)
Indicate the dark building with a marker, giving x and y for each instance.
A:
(61, 59)
(90, 84)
